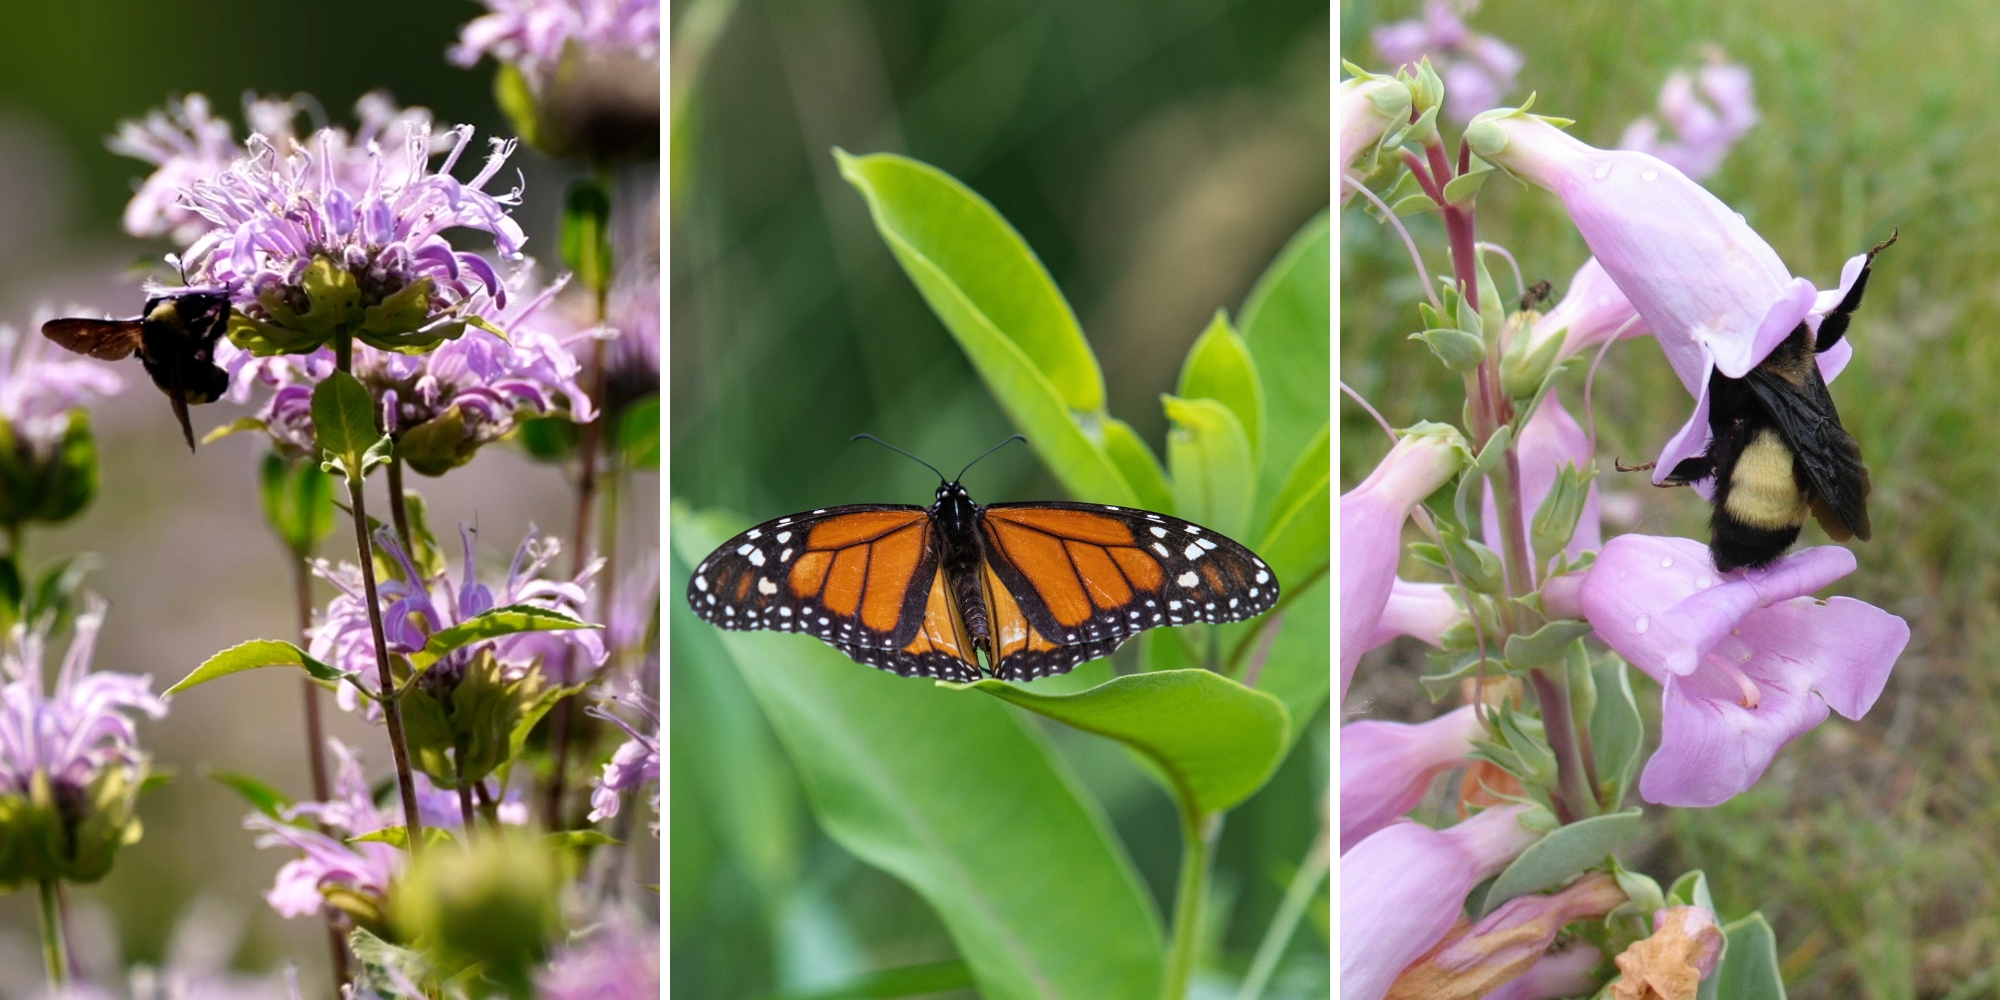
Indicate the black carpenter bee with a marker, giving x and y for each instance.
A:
(175, 340)
(1777, 450)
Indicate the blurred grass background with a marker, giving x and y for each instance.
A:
(1870, 845)
(1156, 156)
(187, 563)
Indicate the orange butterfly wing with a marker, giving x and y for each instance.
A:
(853, 576)
(1069, 582)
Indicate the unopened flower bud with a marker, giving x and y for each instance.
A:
(460, 716)
(494, 903)
(1370, 106)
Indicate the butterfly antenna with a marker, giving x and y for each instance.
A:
(989, 451)
(898, 451)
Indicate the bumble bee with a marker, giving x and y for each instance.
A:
(1777, 451)
(175, 340)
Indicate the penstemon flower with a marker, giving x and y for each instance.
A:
(1473, 959)
(70, 763)
(1478, 70)
(1371, 522)
(1385, 767)
(1708, 111)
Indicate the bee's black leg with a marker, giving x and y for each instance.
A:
(1834, 326)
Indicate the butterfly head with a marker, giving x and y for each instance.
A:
(954, 506)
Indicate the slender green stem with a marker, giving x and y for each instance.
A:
(465, 812)
(1297, 896)
(392, 702)
(1521, 570)
(17, 547)
(55, 952)
(399, 506)
(1576, 800)
(1198, 836)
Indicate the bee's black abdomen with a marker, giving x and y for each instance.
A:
(1735, 545)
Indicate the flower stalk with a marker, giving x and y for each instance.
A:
(316, 748)
(55, 951)
(1199, 832)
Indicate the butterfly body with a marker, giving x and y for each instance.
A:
(1032, 589)
(175, 340)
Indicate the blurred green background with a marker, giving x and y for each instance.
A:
(1156, 156)
(1870, 845)
(187, 564)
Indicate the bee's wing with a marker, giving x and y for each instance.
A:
(104, 339)
(1805, 415)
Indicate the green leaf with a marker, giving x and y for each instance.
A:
(1546, 645)
(399, 836)
(1299, 541)
(1461, 188)
(1287, 325)
(1024, 871)
(1219, 367)
(1215, 740)
(586, 233)
(1209, 458)
(68, 479)
(261, 797)
(437, 445)
(1749, 969)
(548, 439)
(344, 421)
(1295, 669)
(639, 434)
(254, 655)
(575, 839)
(1617, 733)
(1003, 309)
(1460, 351)
(1564, 852)
(501, 621)
(298, 501)
(392, 321)
(1138, 464)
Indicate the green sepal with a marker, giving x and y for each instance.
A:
(1564, 853)
(1546, 645)
(437, 445)
(1460, 351)
(1461, 189)
(1555, 520)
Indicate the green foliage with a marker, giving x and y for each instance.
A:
(257, 654)
(1219, 367)
(1562, 854)
(1749, 969)
(511, 619)
(1212, 465)
(298, 501)
(639, 434)
(260, 796)
(586, 233)
(1286, 322)
(1215, 741)
(344, 426)
(950, 792)
(49, 486)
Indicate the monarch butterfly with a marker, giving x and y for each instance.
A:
(1036, 588)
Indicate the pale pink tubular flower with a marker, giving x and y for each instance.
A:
(1714, 293)
(1549, 440)
(1386, 766)
(1422, 611)
(1402, 888)
(1591, 312)
(1475, 958)
(1478, 70)
(1567, 973)
(1708, 113)
(1369, 107)
(1747, 661)
(1371, 529)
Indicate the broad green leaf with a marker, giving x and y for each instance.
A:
(262, 797)
(344, 420)
(1546, 645)
(253, 655)
(1209, 457)
(1311, 468)
(1219, 367)
(1295, 668)
(586, 233)
(639, 434)
(509, 620)
(1215, 740)
(1749, 969)
(1564, 852)
(298, 501)
(961, 799)
(1002, 308)
(1138, 464)
(1617, 733)
(1287, 324)
(1299, 542)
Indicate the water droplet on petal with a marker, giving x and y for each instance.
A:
(1649, 175)
(1666, 561)
(1603, 171)
(1645, 622)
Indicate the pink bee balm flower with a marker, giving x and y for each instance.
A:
(1473, 959)
(1705, 125)
(1402, 888)
(1478, 70)
(1371, 529)
(1386, 766)
(1747, 661)
(1715, 295)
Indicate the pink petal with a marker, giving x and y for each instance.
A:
(1371, 531)
(1385, 767)
(1422, 611)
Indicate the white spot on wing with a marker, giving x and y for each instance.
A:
(1159, 532)
(1204, 543)
(1262, 576)
(784, 536)
(745, 549)
(765, 586)
(1193, 551)
(701, 584)
(1188, 579)
(756, 557)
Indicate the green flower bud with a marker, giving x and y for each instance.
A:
(493, 904)
(603, 108)
(49, 480)
(68, 834)
(329, 301)
(460, 719)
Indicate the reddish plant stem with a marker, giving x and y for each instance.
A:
(1573, 801)
(566, 722)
